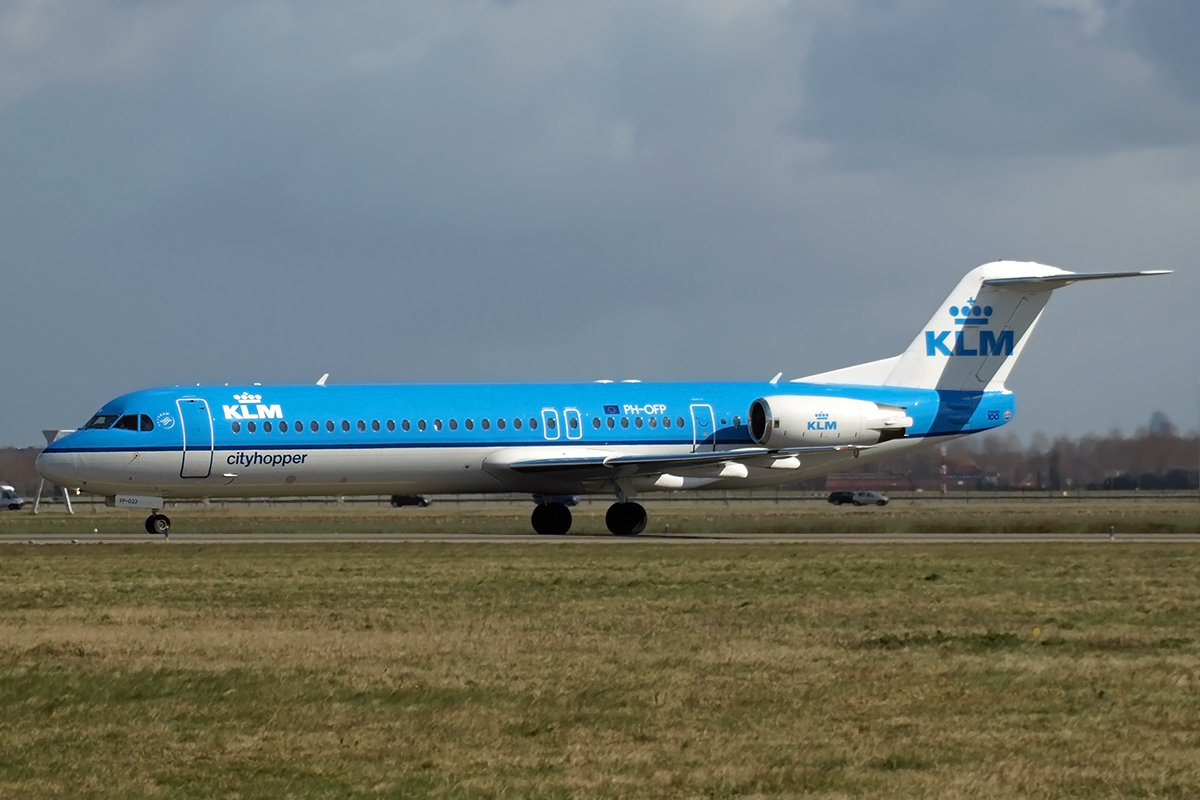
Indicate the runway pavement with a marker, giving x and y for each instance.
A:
(617, 541)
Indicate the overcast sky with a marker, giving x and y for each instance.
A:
(208, 192)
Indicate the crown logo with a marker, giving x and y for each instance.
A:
(971, 314)
(246, 397)
(821, 415)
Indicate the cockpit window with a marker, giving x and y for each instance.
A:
(129, 422)
(101, 421)
(145, 423)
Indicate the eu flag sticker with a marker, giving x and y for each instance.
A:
(612, 409)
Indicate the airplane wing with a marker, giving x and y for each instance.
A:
(624, 466)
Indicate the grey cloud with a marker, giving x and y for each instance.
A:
(534, 191)
(983, 79)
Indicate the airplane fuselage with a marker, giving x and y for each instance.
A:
(321, 440)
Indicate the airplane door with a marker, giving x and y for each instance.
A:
(550, 423)
(197, 438)
(704, 429)
(573, 422)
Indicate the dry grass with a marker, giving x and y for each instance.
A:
(523, 671)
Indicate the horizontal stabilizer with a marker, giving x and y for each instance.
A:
(1047, 283)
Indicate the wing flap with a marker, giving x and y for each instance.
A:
(622, 466)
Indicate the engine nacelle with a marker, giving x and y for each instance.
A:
(808, 421)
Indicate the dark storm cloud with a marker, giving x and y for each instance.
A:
(531, 191)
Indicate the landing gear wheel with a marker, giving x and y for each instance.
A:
(158, 524)
(14, 506)
(626, 519)
(551, 519)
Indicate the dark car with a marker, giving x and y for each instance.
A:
(860, 498)
(417, 500)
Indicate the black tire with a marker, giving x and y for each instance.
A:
(626, 519)
(551, 519)
(881, 503)
(14, 506)
(159, 525)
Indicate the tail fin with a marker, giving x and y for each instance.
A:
(976, 335)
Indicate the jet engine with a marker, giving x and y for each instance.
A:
(807, 421)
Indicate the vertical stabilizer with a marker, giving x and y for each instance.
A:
(977, 333)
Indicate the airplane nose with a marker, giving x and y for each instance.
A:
(59, 468)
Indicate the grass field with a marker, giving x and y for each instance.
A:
(169, 670)
(1175, 515)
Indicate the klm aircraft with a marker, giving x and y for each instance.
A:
(553, 440)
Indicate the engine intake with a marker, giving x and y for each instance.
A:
(806, 421)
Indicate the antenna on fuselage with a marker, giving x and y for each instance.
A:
(775, 380)
(51, 438)
(324, 378)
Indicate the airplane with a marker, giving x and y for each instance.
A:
(560, 440)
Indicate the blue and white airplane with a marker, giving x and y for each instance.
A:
(555, 440)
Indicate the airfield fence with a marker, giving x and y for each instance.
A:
(722, 498)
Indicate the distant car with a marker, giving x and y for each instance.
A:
(417, 500)
(10, 499)
(858, 498)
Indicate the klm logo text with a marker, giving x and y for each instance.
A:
(822, 422)
(259, 411)
(957, 343)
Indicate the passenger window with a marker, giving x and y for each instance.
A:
(362, 426)
(129, 422)
(679, 422)
(420, 424)
(250, 427)
(329, 425)
(299, 427)
(500, 423)
(437, 424)
(283, 427)
(653, 422)
(737, 422)
(237, 426)
(573, 423)
(612, 423)
(549, 423)
(532, 424)
(596, 423)
(666, 422)
(391, 424)
(345, 426)
(404, 424)
(469, 425)
(314, 426)
(267, 427)
(483, 423)
(624, 422)
(517, 423)
(637, 421)
(375, 425)
(453, 424)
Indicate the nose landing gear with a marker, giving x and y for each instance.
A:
(158, 524)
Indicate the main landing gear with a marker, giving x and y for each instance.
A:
(554, 519)
(626, 519)
(158, 524)
(551, 519)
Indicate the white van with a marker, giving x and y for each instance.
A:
(9, 498)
